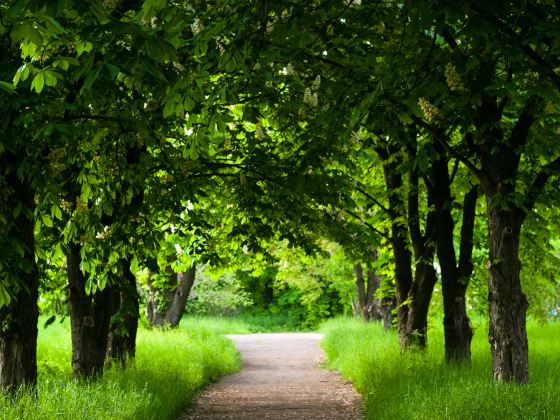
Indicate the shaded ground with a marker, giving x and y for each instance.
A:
(280, 379)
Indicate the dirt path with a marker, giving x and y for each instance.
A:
(280, 379)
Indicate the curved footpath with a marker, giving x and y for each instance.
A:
(280, 379)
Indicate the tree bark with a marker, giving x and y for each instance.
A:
(420, 296)
(401, 251)
(90, 317)
(18, 325)
(507, 303)
(174, 301)
(456, 323)
(177, 305)
(121, 343)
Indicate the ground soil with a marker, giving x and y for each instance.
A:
(281, 378)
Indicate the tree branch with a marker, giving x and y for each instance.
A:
(549, 170)
(369, 225)
(521, 129)
(373, 199)
(525, 48)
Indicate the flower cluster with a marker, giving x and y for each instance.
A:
(316, 83)
(288, 70)
(196, 26)
(428, 109)
(105, 234)
(110, 4)
(66, 205)
(453, 79)
(310, 98)
(220, 45)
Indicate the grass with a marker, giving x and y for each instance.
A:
(242, 324)
(422, 386)
(170, 366)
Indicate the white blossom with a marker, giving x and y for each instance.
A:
(453, 79)
(429, 110)
(316, 83)
(196, 26)
(310, 98)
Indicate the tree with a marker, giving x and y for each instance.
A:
(505, 64)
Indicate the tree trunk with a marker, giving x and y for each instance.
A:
(174, 301)
(388, 305)
(375, 306)
(401, 251)
(420, 296)
(121, 344)
(456, 324)
(177, 305)
(90, 316)
(413, 294)
(362, 308)
(18, 320)
(507, 303)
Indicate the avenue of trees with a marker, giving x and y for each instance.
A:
(156, 136)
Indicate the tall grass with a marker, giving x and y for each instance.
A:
(422, 386)
(170, 366)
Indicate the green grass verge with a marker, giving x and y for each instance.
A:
(422, 386)
(170, 366)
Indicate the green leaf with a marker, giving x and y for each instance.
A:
(47, 220)
(50, 78)
(61, 63)
(17, 210)
(38, 82)
(56, 212)
(5, 298)
(8, 87)
(189, 104)
(49, 321)
(169, 108)
(55, 26)
(91, 78)
(112, 70)
(21, 74)
(89, 285)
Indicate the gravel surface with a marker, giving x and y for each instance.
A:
(280, 379)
